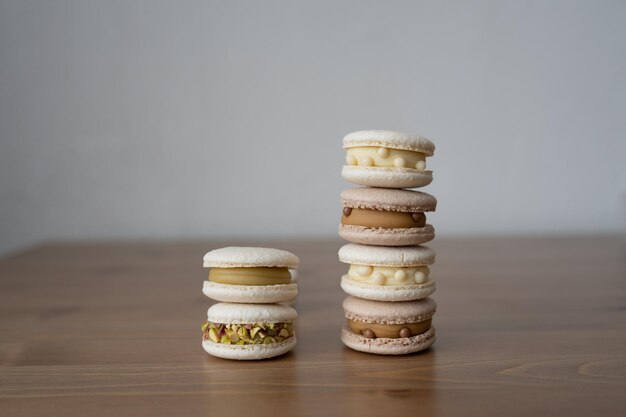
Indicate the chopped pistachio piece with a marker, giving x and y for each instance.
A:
(213, 335)
(233, 336)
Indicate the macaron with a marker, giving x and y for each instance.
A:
(250, 275)
(386, 217)
(388, 328)
(249, 331)
(388, 159)
(387, 273)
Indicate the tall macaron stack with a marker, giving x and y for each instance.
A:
(250, 322)
(388, 311)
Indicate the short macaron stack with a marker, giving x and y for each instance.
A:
(388, 311)
(249, 323)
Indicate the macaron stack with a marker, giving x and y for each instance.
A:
(388, 311)
(249, 323)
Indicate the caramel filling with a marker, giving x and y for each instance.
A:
(250, 276)
(382, 219)
(385, 157)
(392, 331)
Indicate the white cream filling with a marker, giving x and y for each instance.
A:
(382, 275)
(385, 157)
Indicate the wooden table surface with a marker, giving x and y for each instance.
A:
(526, 326)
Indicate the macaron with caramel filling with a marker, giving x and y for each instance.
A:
(249, 331)
(387, 273)
(388, 159)
(388, 328)
(250, 275)
(386, 217)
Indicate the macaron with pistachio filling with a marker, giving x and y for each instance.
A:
(250, 275)
(386, 217)
(387, 273)
(388, 328)
(388, 159)
(249, 331)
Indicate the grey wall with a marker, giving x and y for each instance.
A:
(144, 119)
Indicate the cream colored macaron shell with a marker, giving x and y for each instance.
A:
(240, 256)
(250, 293)
(353, 253)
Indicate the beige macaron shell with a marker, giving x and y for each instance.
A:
(388, 346)
(389, 139)
(388, 199)
(401, 257)
(386, 177)
(369, 311)
(387, 293)
(242, 257)
(250, 293)
(387, 237)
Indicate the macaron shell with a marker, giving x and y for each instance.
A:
(386, 177)
(229, 313)
(353, 253)
(388, 346)
(368, 311)
(389, 139)
(240, 256)
(249, 352)
(406, 201)
(250, 293)
(387, 293)
(387, 237)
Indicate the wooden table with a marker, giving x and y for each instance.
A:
(526, 326)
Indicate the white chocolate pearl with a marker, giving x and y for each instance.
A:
(399, 162)
(420, 165)
(351, 160)
(378, 278)
(364, 270)
(383, 152)
(400, 275)
(420, 277)
(367, 161)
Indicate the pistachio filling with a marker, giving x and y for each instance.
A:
(385, 275)
(393, 331)
(385, 157)
(246, 333)
(250, 276)
(382, 219)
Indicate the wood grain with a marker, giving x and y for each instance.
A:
(526, 326)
